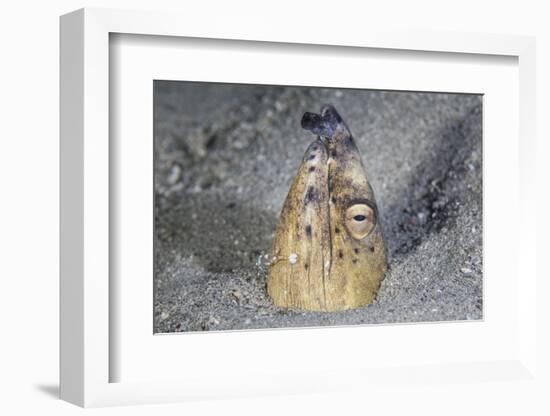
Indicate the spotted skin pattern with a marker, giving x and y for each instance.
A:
(328, 251)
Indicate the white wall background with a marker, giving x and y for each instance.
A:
(29, 201)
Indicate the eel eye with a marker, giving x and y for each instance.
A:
(360, 220)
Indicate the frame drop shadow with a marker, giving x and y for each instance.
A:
(51, 390)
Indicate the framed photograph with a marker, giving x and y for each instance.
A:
(251, 229)
(262, 212)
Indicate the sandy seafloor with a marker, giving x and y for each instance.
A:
(225, 156)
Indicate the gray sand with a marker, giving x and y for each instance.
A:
(225, 156)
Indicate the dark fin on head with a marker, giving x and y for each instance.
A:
(326, 124)
(317, 125)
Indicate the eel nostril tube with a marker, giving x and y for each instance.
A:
(318, 125)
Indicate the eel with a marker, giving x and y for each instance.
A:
(328, 250)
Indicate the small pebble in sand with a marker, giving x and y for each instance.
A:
(174, 175)
(466, 271)
(293, 258)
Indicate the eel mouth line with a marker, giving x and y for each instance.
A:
(325, 126)
(329, 127)
(327, 272)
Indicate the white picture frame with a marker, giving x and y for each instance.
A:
(87, 355)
